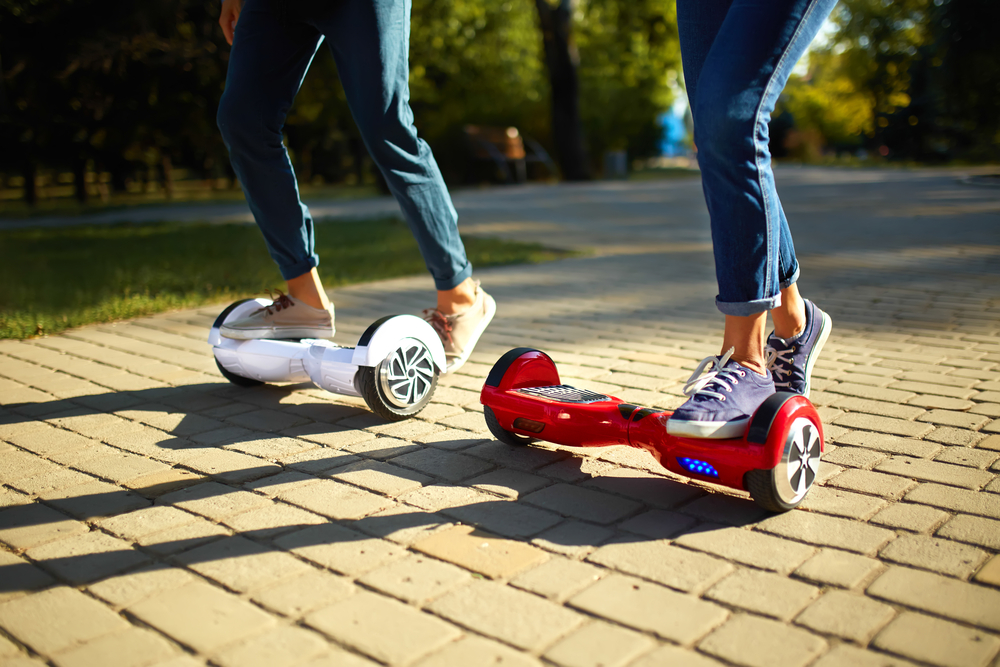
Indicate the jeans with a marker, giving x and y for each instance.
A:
(737, 56)
(274, 44)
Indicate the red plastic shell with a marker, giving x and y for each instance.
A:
(603, 423)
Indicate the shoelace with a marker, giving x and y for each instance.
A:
(440, 323)
(773, 358)
(283, 301)
(726, 378)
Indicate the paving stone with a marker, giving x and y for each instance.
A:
(450, 466)
(518, 458)
(659, 524)
(842, 503)
(991, 442)
(361, 620)
(722, 509)
(339, 548)
(650, 489)
(25, 526)
(481, 552)
(416, 579)
(241, 565)
(272, 520)
(231, 467)
(659, 561)
(318, 460)
(306, 592)
(649, 607)
(989, 574)
(973, 530)
(131, 587)
(959, 500)
(880, 408)
(402, 524)
(213, 500)
(134, 647)
(845, 655)
(747, 547)
(938, 642)
(381, 477)
(855, 457)
(472, 650)
(18, 576)
(510, 483)
(86, 557)
(336, 500)
(874, 483)
(932, 471)
(558, 579)
(279, 647)
(828, 531)
(939, 595)
(504, 517)
(599, 645)
(966, 456)
(573, 538)
(887, 443)
(872, 393)
(937, 555)
(907, 516)
(846, 615)
(929, 388)
(763, 592)
(581, 503)
(201, 616)
(675, 656)
(58, 619)
(954, 418)
(757, 642)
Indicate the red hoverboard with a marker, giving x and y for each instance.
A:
(776, 460)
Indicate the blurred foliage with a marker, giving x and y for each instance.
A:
(132, 88)
(908, 79)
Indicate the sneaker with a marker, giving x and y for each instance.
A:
(791, 360)
(285, 317)
(461, 332)
(722, 401)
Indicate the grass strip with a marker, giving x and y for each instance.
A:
(58, 278)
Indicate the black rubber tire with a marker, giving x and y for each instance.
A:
(367, 384)
(501, 434)
(761, 485)
(238, 380)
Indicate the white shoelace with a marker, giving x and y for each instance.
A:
(714, 374)
(772, 358)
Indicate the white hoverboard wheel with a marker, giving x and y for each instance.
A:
(402, 384)
(238, 380)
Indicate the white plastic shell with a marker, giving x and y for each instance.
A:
(387, 336)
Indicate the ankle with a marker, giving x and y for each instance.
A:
(458, 299)
(751, 363)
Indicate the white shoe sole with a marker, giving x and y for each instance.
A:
(491, 309)
(824, 332)
(270, 333)
(708, 430)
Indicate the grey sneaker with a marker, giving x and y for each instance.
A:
(461, 332)
(286, 317)
(792, 360)
(722, 401)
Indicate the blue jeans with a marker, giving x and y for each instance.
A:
(274, 44)
(737, 56)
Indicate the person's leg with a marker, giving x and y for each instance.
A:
(736, 85)
(268, 60)
(369, 40)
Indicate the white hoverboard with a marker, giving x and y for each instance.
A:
(394, 367)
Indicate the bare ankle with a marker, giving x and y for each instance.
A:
(458, 299)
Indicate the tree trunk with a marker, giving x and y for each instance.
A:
(562, 59)
(80, 179)
(29, 170)
(168, 177)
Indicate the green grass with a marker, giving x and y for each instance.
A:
(57, 278)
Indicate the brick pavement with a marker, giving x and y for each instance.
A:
(154, 515)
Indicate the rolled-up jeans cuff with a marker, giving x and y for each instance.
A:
(792, 280)
(299, 268)
(745, 308)
(455, 280)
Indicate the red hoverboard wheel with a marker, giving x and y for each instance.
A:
(796, 434)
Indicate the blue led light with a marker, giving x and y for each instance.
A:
(697, 467)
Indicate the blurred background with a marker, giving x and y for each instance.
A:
(114, 102)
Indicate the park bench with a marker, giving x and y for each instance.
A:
(506, 146)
